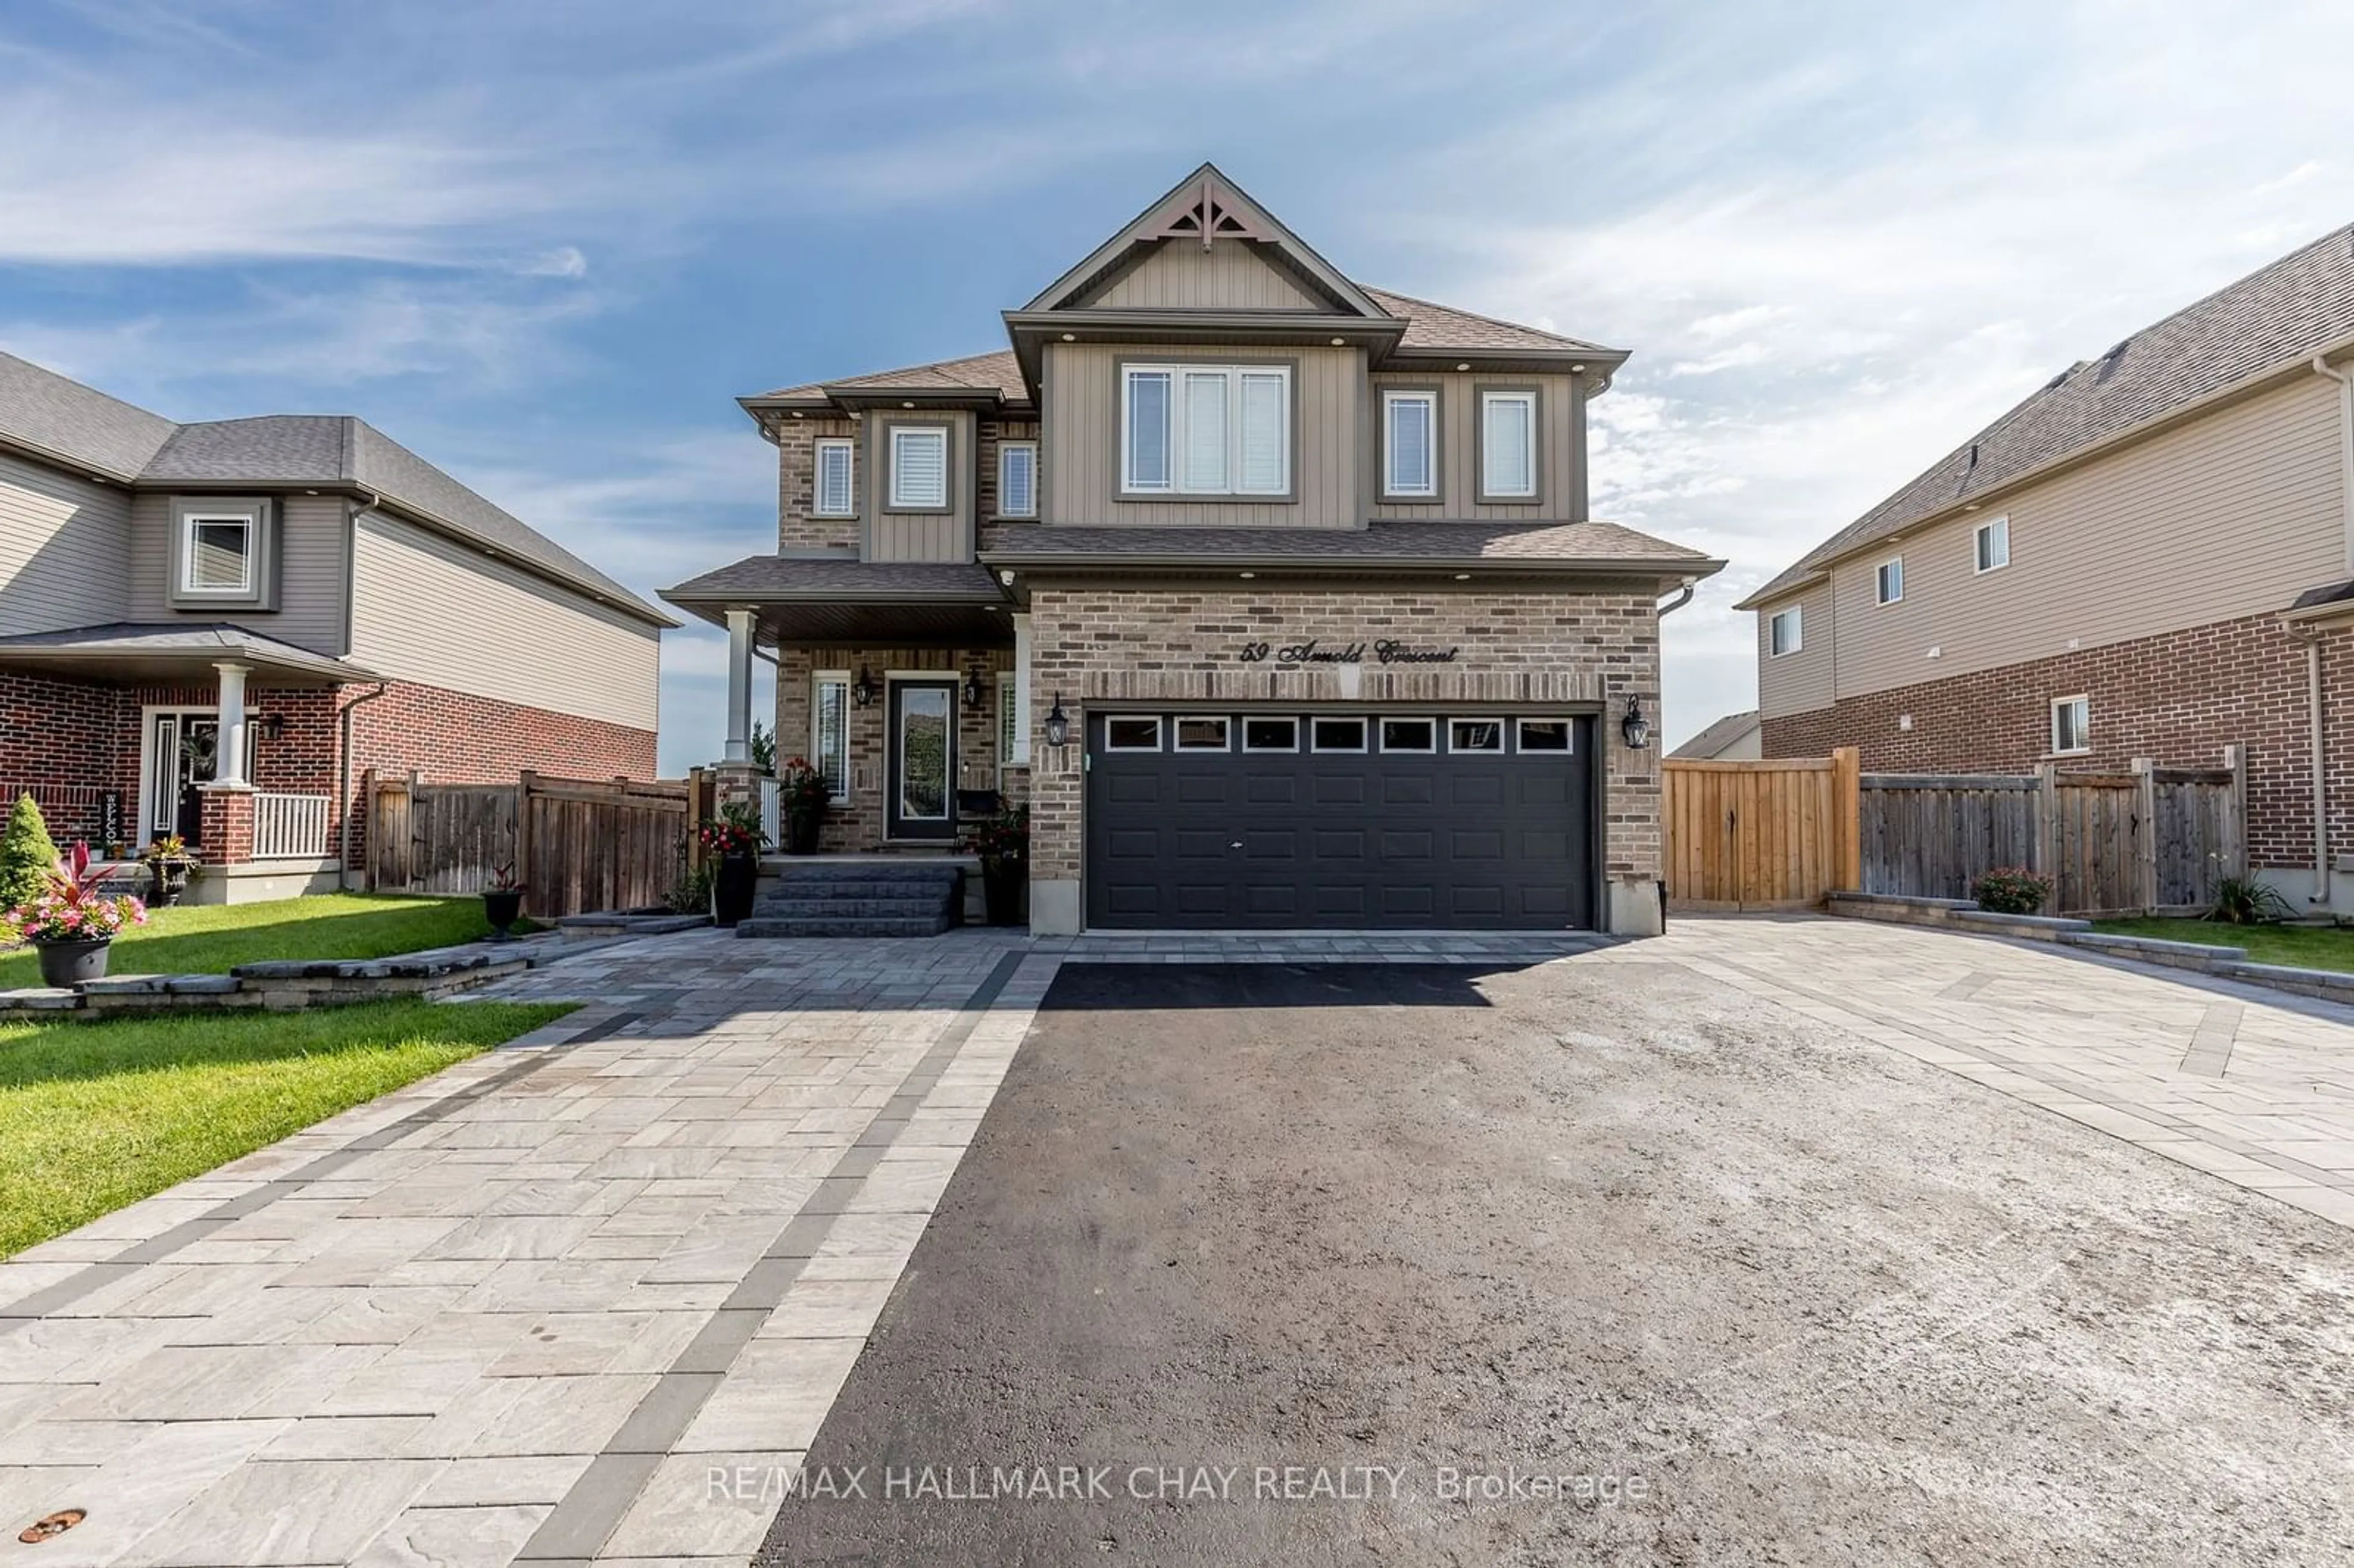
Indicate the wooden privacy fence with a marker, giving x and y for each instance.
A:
(576, 845)
(1781, 833)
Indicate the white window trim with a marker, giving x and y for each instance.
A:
(1521, 733)
(1797, 633)
(900, 500)
(818, 508)
(1528, 400)
(1495, 750)
(248, 585)
(1158, 737)
(820, 679)
(1292, 751)
(1388, 750)
(2059, 702)
(1005, 448)
(1391, 489)
(1364, 731)
(1880, 581)
(1176, 450)
(1981, 532)
(1177, 735)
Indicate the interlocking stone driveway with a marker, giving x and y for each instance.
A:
(522, 1311)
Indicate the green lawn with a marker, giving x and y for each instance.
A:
(2303, 946)
(213, 938)
(95, 1116)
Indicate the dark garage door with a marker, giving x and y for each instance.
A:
(1339, 820)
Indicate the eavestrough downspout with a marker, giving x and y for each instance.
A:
(344, 786)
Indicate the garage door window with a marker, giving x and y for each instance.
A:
(1271, 735)
(1544, 735)
(1336, 735)
(1409, 735)
(1202, 735)
(1475, 735)
(1132, 734)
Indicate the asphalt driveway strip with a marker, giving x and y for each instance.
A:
(1345, 1264)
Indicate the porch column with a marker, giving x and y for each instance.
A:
(740, 686)
(229, 763)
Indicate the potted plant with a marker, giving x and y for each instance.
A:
(735, 837)
(170, 863)
(801, 796)
(503, 902)
(71, 924)
(1002, 843)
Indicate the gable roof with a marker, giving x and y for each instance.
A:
(1711, 742)
(62, 420)
(1437, 328)
(2278, 318)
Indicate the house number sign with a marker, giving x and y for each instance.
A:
(1313, 652)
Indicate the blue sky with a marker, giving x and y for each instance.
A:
(547, 245)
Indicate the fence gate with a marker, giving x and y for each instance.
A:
(1773, 834)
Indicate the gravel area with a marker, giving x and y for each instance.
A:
(1759, 1290)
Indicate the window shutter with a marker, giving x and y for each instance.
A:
(1409, 445)
(1147, 429)
(1509, 445)
(1017, 480)
(1265, 434)
(834, 486)
(1205, 430)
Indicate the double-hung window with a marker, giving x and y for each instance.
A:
(1196, 429)
(919, 468)
(1507, 446)
(1017, 478)
(1410, 445)
(834, 496)
(1783, 633)
(830, 731)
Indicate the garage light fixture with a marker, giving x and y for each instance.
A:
(1058, 723)
(1635, 727)
(862, 691)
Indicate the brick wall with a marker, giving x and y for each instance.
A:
(858, 824)
(1098, 645)
(2179, 699)
(797, 484)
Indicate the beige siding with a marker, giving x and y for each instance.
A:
(426, 609)
(1081, 446)
(65, 550)
(1181, 275)
(1560, 453)
(312, 535)
(2231, 515)
(918, 536)
(1801, 681)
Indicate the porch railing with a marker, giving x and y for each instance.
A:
(772, 810)
(290, 827)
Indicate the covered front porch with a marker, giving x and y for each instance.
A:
(227, 739)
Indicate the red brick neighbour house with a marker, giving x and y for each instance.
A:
(216, 629)
(2153, 555)
(1274, 595)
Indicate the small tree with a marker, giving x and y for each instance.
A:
(27, 855)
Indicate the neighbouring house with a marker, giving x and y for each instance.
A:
(1273, 595)
(2150, 557)
(1733, 738)
(214, 629)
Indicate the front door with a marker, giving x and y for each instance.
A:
(183, 752)
(920, 768)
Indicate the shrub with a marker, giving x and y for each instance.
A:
(27, 855)
(2244, 901)
(2012, 890)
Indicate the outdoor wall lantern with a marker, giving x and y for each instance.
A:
(271, 725)
(976, 691)
(862, 691)
(1635, 727)
(1058, 723)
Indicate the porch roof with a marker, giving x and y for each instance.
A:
(836, 598)
(126, 653)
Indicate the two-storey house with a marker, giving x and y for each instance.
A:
(2149, 557)
(1274, 595)
(215, 629)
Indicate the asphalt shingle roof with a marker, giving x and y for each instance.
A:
(837, 576)
(2279, 315)
(997, 372)
(1605, 544)
(51, 413)
(147, 640)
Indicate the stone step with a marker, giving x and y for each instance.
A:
(760, 926)
(864, 887)
(876, 870)
(924, 907)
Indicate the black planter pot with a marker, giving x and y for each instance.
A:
(800, 831)
(501, 907)
(732, 886)
(166, 881)
(1001, 892)
(72, 962)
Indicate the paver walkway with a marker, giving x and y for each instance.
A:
(524, 1311)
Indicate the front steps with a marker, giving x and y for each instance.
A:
(872, 897)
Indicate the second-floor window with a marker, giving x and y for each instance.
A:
(1994, 545)
(836, 497)
(1783, 633)
(1017, 478)
(1409, 445)
(1892, 580)
(1197, 430)
(919, 468)
(1507, 446)
(218, 556)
